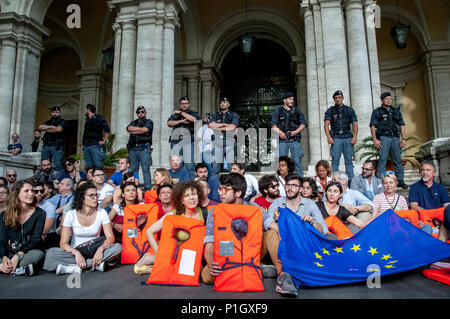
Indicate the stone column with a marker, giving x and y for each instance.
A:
(193, 88)
(116, 75)
(360, 86)
(302, 102)
(207, 92)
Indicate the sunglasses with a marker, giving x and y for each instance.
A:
(367, 169)
(140, 112)
(37, 191)
(332, 183)
(273, 186)
(390, 173)
(11, 175)
(92, 196)
(225, 189)
(68, 164)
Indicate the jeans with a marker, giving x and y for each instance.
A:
(144, 158)
(342, 146)
(390, 145)
(189, 165)
(54, 153)
(94, 155)
(296, 154)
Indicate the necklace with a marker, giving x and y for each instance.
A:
(390, 203)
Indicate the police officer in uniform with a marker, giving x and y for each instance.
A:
(342, 119)
(386, 127)
(288, 121)
(93, 138)
(223, 121)
(140, 145)
(184, 117)
(53, 139)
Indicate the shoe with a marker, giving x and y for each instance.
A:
(68, 269)
(101, 267)
(113, 261)
(285, 286)
(27, 270)
(402, 184)
(269, 271)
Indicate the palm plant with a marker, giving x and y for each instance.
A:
(111, 158)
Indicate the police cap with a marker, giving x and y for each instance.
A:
(385, 95)
(338, 92)
(288, 95)
(140, 107)
(224, 98)
(55, 108)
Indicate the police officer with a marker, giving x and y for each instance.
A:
(223, 121)
(140, 145)
(342, 119)
(53, 139)
(184, 117)
(386, 127)
(93, 138)
(288, 121)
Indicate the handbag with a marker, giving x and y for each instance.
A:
(88, 248)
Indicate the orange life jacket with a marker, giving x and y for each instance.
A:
(411, 214)
(134, 240)
(441, 275)
(337, 227)
(179, 263)
(427, 216)
(150, 196)
(238, 254)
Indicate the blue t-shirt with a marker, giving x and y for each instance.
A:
(15, 146)
(179, 176)
(83, 175)
(117, 177)
(428, 197)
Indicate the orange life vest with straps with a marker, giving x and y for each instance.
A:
(134, 238)
(150, 196)
(179, 262)
(337, 227)
(427, 216)
(411, 214)
(237, 247)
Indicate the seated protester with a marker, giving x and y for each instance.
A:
(81, 246)
(129, 196)
(21, 226)
(427, 193)
(61, 200)
(331, 207)
(201, 171)
(367, 183)
(72, 170)
(310, 189)
(160, 177)
(123, 167)
(445, 227)
(177, 173)
(165, 202)
(128, 177)
(50, 215)
(355, 202)
(286, 165)
(49, 190)
(3, 181)
(68, 208)
(187, 197)
(4, 192)
(105, 191)
(89, 173)
(206, 191)
(323, 176)
(252, 183)
(268, 186)
(46, 172)
(306, 209)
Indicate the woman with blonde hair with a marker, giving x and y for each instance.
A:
(323, 177)
(21, 226)
(161, 176)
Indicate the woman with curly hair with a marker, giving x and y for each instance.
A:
(323, 176)
(21, 226)
(188, 197)
(310, 189)
(286, 165)
(81, 246)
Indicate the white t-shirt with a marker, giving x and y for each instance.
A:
(205, 134)
(119, 210)
(80, 233)
(252, 184)
(106, 190)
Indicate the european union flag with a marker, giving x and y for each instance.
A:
(389, 244)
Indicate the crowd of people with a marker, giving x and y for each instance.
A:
(65, 220)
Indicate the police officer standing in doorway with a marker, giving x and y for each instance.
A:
(53, 139)
(93, 140)
(223, 121)
(288, 122)
(140, 145)
(386, 127)
(184, 117)
(342, 119)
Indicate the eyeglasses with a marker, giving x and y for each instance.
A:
(367, 169)
(292, 186)
(37, 191)
(3, 193)
(225, 189)
(273, 186)
(92, 196)
(390, 173)
(68, 164)
(99, 175)
(11, 175)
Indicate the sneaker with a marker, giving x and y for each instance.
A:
(67, 269)
(269, 271)
(285, 286)
(113, 261)
(27, 270)
(101, 267)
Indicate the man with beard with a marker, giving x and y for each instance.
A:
(367, 183)
(306, 209)
(53, 148)
(46, 173)
(93, 140)
(268, 186)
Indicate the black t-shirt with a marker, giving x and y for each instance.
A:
(342, 213)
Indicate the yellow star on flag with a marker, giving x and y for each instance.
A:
(393, 262)
(373, 270)
(389, 266)
(326, 252)
(355, 248)
(386, 257)
(338, 250)
(318, 256)
(373, 251)
(318, 264)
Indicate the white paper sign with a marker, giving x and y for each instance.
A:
(187, 262)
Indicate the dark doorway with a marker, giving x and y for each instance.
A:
(255, 85)
(70, 140)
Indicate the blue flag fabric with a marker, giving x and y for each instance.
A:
(389, 244)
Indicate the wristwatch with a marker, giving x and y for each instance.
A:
(19, 256)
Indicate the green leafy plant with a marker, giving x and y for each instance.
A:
(111, 158)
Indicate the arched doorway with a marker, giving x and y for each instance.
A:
(255, 85)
